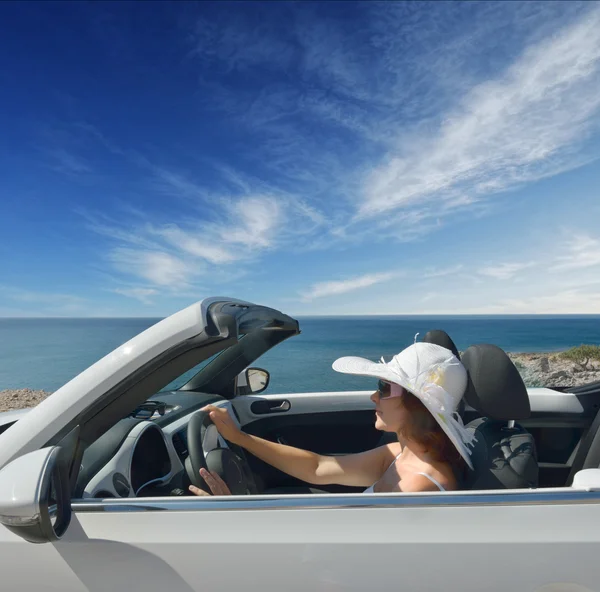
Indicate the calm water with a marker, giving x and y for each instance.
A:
(46, 353)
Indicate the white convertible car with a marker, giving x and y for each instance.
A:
(93, 481)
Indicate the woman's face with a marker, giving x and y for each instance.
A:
(390, 413)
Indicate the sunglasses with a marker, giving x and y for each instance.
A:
(385, 390)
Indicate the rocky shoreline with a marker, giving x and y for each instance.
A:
(552, 370)
(20, 398)
(537, 370)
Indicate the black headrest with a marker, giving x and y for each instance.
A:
(442, 338)
(495, 387)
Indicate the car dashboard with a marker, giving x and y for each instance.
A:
(148, 460)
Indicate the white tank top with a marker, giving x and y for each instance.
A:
(440, 487)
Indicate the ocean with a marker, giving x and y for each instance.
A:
(46, 353)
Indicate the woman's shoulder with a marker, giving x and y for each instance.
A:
(392, 450)
(425, 476)
(443, 473)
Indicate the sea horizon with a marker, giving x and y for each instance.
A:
(43, 353)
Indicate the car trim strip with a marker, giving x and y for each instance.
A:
(326, 501)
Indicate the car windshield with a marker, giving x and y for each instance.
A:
(187, 376)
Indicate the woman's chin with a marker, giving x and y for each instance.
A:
(380, 424)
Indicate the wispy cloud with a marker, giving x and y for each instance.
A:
(66, 162)
(193, 248)
(581, 252)
(340, 132)
(47, 302)
(335, 288)
(392, 117)
(195, 245)
(157, 267)
(505, 271)
(141, 294)
(521, 126)
(256, 222)
(574, 301)
(441, 272)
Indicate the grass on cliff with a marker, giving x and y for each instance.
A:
(582, 355)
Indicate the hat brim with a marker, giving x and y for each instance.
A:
(363, 367)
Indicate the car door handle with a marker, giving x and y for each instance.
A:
(266, 406)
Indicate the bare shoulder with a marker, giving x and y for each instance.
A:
(390, 451)
(413, 479)
(414, 482)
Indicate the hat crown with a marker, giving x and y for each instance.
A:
(427, 363)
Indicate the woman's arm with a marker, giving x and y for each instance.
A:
(358, 470)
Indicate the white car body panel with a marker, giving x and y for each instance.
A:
(435, 547)
(54, 412)
(543, 540)
(12, 416)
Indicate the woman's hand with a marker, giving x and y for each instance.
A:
(215, 483)
(224, 423)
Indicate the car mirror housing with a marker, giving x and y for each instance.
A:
(35, 499)
(252, 381)
(587, 479)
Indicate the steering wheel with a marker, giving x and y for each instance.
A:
(233, 469)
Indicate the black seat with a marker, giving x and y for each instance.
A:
(588, 453)
(439, 337)
(504, 455)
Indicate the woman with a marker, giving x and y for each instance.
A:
(418, 394)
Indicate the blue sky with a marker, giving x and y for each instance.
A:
(321, 158)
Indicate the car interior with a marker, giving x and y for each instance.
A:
(525, 439)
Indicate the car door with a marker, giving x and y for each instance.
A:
(534, 541)
(559, 421)
(333, 423)
(343, 423)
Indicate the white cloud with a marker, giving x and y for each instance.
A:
(563, 302)
(519, 127)
(444, 271)
(158, 267)
(53, 303)
(582, 252)
(255, 222)
(141, 294)
(505, 271)
(334, 288)
(194, 244)
(320, 127)
(238, 229)
(177, 185)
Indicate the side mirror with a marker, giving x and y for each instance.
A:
(587, 479)
(252, 381)
(35, 501)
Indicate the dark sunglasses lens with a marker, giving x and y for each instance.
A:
(384, 388)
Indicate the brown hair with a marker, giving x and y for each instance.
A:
(427, 432)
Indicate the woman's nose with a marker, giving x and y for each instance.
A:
(374, 397)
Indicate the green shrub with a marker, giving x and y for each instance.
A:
(582, 354)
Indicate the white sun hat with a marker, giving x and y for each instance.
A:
(430, 372)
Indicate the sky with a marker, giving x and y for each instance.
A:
(319, 158)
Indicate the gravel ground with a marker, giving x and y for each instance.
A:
(19, 398)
